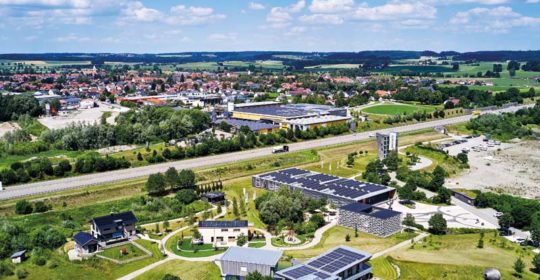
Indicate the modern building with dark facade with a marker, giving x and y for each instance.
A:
(342, 262)
(367, 218)
(113, 227)
(338, 190)
(238, 262)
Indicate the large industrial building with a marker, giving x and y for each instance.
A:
(354, 199)
(386, 143)
(338, 190)
(294, 116)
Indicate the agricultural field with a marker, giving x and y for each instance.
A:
(403, 69)
(397, 109)
(333, 66)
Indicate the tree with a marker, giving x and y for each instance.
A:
(186, 179)
(255, 275)
(519, 266)
(535, 227)
(41, 207)
(23, 207)
(347, 238)
(480, 243)
(462, 157)
(172, 177)
(506, 220)
(241, 240)
(166, 225)
(536, 263)
(437, 224)
(437, 179)
(186, 196)
(317, 219)
(155, 184)
(242, 208)
(444, 195)
(236, 213)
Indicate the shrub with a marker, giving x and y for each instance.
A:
(23, 207)
(21, 273)
(41, 261)
(41, 207)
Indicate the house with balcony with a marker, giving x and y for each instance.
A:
(222, 233)
(113, 227)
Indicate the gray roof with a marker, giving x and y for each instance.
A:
(252, 255)
(223, 224)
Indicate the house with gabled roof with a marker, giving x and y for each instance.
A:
(223, 233)
(113, 227)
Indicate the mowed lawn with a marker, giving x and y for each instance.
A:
(461, 259)
(336, 236)
(396, 109)
(184, 270)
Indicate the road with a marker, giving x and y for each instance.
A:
(138, 172)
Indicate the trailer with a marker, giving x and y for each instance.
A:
(280, 149)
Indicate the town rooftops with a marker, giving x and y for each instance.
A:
(112, 219)
(328, 265)
(83, 238)
(223, 224)
(252, 255)
(369, 210)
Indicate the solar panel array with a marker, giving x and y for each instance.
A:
(336, 260)
(327, 184)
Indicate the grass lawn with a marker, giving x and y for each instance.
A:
(459, 129)
(278, 241)
(383, 269)
(450, 164)
(459, 254)
(336, 236)
(258, 244)
(184, 270)
(114, 252)
(208, 248)
(396, 109)
(234, 188)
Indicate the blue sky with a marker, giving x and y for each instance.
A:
(237, 25)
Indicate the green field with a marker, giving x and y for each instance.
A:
(333, 66)
(403, 69)
(114, 252)
(397, 109)
(185, 270)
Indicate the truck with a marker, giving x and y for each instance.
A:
(476, 112)
(280, 149)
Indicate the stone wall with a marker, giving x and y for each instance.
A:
(370, 224)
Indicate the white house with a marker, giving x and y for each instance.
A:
(222, 233)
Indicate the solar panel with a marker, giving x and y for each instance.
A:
(300, 272)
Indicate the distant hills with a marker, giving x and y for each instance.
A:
(294, 59)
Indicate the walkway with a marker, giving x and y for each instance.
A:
(400, 245)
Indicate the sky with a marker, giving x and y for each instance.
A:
(144, 26)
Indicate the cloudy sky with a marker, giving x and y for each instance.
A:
(294, 25)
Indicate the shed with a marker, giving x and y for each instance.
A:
(85, 243)
(213, 197)
(18, 257)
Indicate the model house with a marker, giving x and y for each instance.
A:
(237, 262)
(367, 218)
(113, 227)
(222, 233)
(342, 262)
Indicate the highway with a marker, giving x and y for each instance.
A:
(132, 173)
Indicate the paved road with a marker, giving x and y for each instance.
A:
(131, 173)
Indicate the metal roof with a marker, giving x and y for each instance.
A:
(112, 219)
(252, 255)
(18, 254)
(316, 120)
(82, 238)
(223, 224)
(369, 210)
(253, 125)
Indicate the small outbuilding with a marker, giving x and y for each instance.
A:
(85, 243)
(213, 197)
(18, 257)
(238, 262)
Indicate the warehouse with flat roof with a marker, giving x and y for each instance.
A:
(338, 190)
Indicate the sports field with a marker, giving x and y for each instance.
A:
(396, 109)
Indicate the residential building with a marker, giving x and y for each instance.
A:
(238, 262)
(213, 197)
(338, 190)
(340, 263)
(367, 218)
(386, 143)
(113, 227)
(223, 233)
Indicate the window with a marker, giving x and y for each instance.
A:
(224, 229)
(236, 230)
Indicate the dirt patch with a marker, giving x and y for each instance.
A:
(510, 168)
(117, 149)
(6, 127)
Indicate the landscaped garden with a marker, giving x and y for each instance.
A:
(183, 247)
(123, 252)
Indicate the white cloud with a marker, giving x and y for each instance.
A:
(70, 3)
(71, 38)
(322, 19)
(256, 6)
(331, 6)
(294, 31)
(395, 11)
(532, 1)
(223, 37)
(178, 15)
(280, 17)
(497, 20)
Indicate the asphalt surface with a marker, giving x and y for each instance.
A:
(132, 173)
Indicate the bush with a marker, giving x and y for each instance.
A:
(5, 269)
(52, 265)
(21, 273)
(41, 207)
(23, 207)
(41, 261)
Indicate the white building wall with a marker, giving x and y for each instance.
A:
(222, 237)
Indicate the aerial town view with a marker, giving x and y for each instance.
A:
(269, 140)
